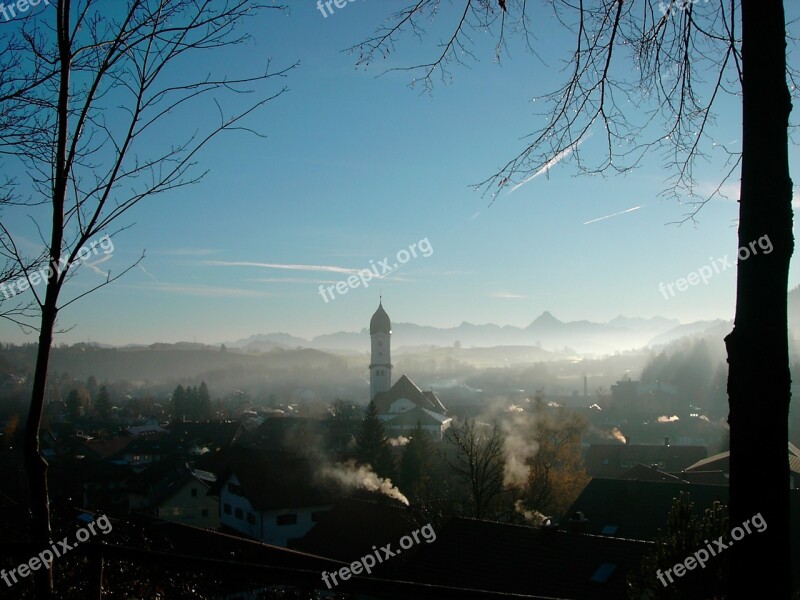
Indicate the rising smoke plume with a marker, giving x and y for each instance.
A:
(532, 516)
(350, 474)
(519, 447)
(617, 435)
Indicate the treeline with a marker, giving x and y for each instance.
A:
(697, 372)
(191, 403)
(517, 468)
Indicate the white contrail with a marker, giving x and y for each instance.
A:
(149, 274)
(553, 161)
(622, 212)
(93, 265)
(324, 268)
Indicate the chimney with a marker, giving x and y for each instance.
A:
(577, 522)
(585, 387)
(666, 441)
(549, 530)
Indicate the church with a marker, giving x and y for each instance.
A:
(402, 405)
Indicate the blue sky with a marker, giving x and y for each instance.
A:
(355, 168)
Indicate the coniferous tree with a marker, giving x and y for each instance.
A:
(74, 405)
(91, 387)
(685, 535)
(179, 403)
(415, 463)
(191, 403)
(103, 404)
(204, 411)
(372, 447)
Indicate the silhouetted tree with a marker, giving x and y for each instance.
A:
(179, 401)
(91, 387)
(343, 410)
(103, 404)
(75, 405)
(415, 463)
(478, 462)
(204, 410)
(66, 73)
(372, 446)
(685, 534)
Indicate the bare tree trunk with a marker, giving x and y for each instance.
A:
(35, 464)
(96, 577)
(759, 378)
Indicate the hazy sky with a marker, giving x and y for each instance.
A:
(356, 168)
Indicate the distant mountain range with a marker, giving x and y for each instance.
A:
(546, 331)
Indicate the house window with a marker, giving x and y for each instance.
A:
(227, 508)
(251, 518)
(603, 572)
(239, 513)
(194, 492)
(609, 530)
(235, 489)
(204, 512)
(287, 519)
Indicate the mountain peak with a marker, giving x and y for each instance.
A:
(546, 319)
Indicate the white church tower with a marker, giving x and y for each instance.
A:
(380, 368)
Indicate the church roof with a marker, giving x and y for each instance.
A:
(380, 322)
(410, 418)
(405, 388)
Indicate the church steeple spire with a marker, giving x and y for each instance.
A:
(380, 368)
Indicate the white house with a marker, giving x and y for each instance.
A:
(273, 501)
